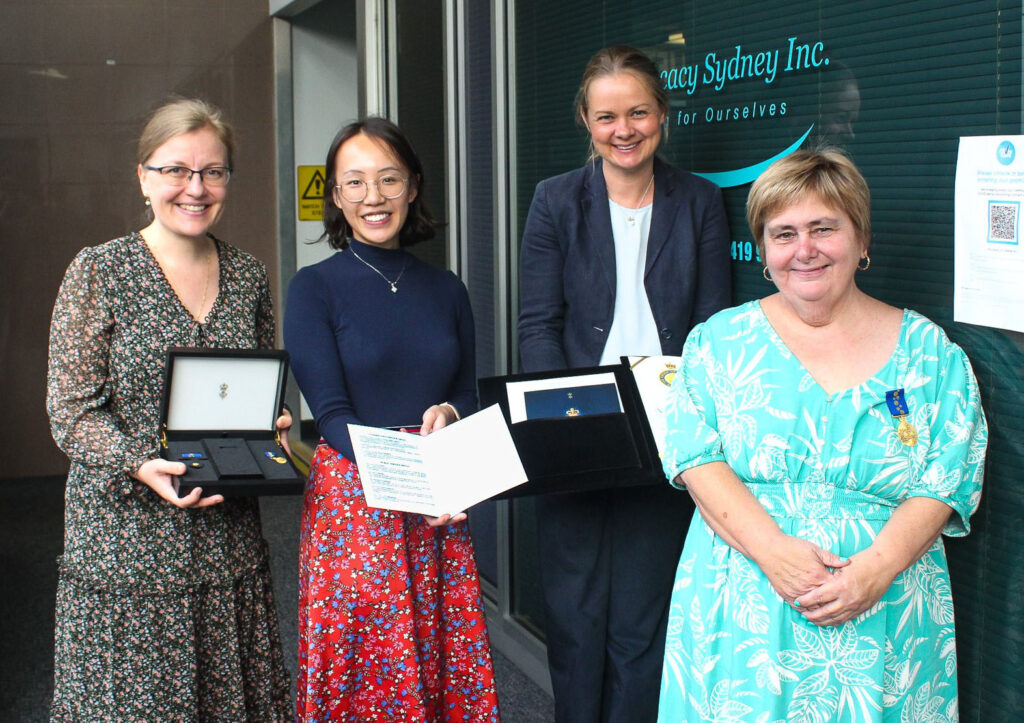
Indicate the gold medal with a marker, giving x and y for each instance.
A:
(896, 400)
(906, 432)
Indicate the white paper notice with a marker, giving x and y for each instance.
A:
(445, 472)
(989, 265)
(654, 375)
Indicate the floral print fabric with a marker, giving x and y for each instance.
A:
(830, 469)
(163, 614)
(391, 622)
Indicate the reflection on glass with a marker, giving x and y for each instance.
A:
(483, 524)
(527, 602)
(420, 105)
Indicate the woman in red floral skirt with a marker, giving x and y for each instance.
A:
(391, 622)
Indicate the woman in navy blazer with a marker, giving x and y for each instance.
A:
(621, 257)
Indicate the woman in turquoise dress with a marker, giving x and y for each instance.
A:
(829, 440)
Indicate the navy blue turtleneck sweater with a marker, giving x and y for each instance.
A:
(365, 355)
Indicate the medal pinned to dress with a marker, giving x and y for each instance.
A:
(897, 401)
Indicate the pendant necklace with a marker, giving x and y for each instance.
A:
(392, 284)
(632, 219)
(206, 286)
(211, 262)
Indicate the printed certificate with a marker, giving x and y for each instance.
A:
(445, 472)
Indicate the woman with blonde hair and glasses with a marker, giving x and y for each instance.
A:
(165, 609)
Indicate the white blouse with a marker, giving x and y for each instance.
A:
(633, 331)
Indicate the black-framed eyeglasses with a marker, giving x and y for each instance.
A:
(181, 176)
(354, 190)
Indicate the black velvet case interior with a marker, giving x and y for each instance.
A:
(235, 462)
(581, 453)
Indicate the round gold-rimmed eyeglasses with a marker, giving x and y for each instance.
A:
(181, 176)
(354, 190)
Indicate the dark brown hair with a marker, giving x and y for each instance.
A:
(419, 225)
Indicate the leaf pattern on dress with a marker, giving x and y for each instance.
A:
(751, 609)
(828, 469)
(770, 674)
(724, 706)
(806, 383)
(947, 651)
(840, 656)
(814, 701)
(901, 669)
(926, 705)
(768, 461)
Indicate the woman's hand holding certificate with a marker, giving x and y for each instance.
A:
(439, 474)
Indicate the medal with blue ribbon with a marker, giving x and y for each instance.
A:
(897, 401)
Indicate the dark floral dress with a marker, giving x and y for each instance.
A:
(163, 614)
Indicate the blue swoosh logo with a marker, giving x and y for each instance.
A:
(726, 179)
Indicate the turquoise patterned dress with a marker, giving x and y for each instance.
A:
(829, 469)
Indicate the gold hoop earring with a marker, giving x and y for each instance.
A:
(867, 265)
(767, 276)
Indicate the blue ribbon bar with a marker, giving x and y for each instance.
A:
(897, 401)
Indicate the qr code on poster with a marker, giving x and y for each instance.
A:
(1003, 221)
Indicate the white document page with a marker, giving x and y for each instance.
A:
(654, 375)
(988, 255)
(392, 469)
(445, 472)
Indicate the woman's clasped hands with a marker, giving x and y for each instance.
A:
(825, 588)
(850, 590)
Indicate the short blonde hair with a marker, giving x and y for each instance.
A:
(827, 173)
(183, 115)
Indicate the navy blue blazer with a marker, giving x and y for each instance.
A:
(567, 265)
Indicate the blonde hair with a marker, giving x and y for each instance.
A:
(616, 60)
(180, 116)
(827, 173)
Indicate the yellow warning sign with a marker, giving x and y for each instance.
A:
(310, 187)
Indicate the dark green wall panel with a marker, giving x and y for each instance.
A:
(927, 72)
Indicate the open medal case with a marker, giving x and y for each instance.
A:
(582, 442)
(218, 415)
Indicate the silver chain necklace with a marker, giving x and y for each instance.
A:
(631, 218)
(392, 284)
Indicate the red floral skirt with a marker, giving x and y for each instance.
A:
(391, 622)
